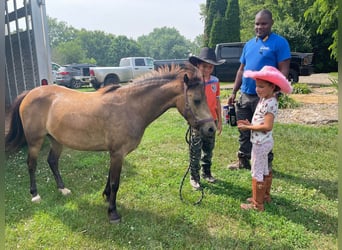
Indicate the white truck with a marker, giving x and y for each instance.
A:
(129, 68)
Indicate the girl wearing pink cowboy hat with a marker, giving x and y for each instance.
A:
(269, 80)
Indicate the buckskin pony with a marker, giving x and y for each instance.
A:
(111, 119)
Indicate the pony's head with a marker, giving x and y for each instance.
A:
(194, 105)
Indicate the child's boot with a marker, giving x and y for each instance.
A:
(258, 191)
(268, 183)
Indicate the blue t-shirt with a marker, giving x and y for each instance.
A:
(259, 52)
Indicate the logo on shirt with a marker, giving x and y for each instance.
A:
(262, 49)
(213, 88)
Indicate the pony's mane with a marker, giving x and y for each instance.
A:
(161, 76)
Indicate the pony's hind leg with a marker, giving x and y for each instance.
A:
(32, 167)
(53, 159)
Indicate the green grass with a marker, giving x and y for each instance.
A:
(302, 215)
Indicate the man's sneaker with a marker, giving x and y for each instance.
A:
(241, 163)
(195, 184)
(209, 178)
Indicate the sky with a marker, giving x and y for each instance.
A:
(132, 18)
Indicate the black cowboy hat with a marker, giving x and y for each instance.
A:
(207, 55)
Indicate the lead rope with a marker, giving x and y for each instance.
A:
(187, 139)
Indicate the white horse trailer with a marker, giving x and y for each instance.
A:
(28, 57)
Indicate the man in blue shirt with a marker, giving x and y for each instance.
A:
(267, 48)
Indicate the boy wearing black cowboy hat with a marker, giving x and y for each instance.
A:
(205, 63)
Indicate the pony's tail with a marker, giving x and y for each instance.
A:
(15, 138)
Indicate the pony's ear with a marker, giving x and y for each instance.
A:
(186, 79)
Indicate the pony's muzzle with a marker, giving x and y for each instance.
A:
(208, 129)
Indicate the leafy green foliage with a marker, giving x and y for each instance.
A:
(296, 34)
(334, 83)
(165, 43)
(60, 32)
(301, 88)
(223, 14)
(303, 213)
(70, 52)
(324, 13)
(98, 44)
(232, 15)
(285, 102)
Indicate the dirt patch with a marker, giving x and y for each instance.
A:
(318, 79)
(323, 95)
(317, 108)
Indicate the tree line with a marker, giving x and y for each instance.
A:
(309, 26)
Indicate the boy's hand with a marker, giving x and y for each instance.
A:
(219, 128)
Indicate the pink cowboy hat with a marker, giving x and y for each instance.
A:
(272, 75)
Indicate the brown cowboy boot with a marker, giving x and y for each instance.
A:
(242, 162)
(258, 190)
(268, 184)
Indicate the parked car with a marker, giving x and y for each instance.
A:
(54, 67)
(74, 75)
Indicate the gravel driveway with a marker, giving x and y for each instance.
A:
(317, 79)
(317, 108)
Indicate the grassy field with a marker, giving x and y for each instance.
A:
(302, 215)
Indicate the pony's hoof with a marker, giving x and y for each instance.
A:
(36, 199)
(65, 191)
(114, 218)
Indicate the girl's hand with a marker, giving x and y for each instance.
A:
(243, 125)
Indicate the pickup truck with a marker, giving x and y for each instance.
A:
(129, 68)
(300, 65)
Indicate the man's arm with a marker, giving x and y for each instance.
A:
(284, 67)
(237, 83)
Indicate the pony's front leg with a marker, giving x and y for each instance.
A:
(106, 191)
(114, 183)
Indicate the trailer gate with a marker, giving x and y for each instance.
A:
(27, 60)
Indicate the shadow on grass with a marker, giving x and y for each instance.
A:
(310, 219)
(144, 228)
(328, 188)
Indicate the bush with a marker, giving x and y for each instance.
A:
(301, 88)
(286, 101)
(334, 82)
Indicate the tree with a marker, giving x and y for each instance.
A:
(232, 15)
(123, 47)
(96, 44)
(165, 43)
(197, 44)
(324, 13)
(215, 9)
(216, 35)
(222, 23)
(69, 52)
(60, 32)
